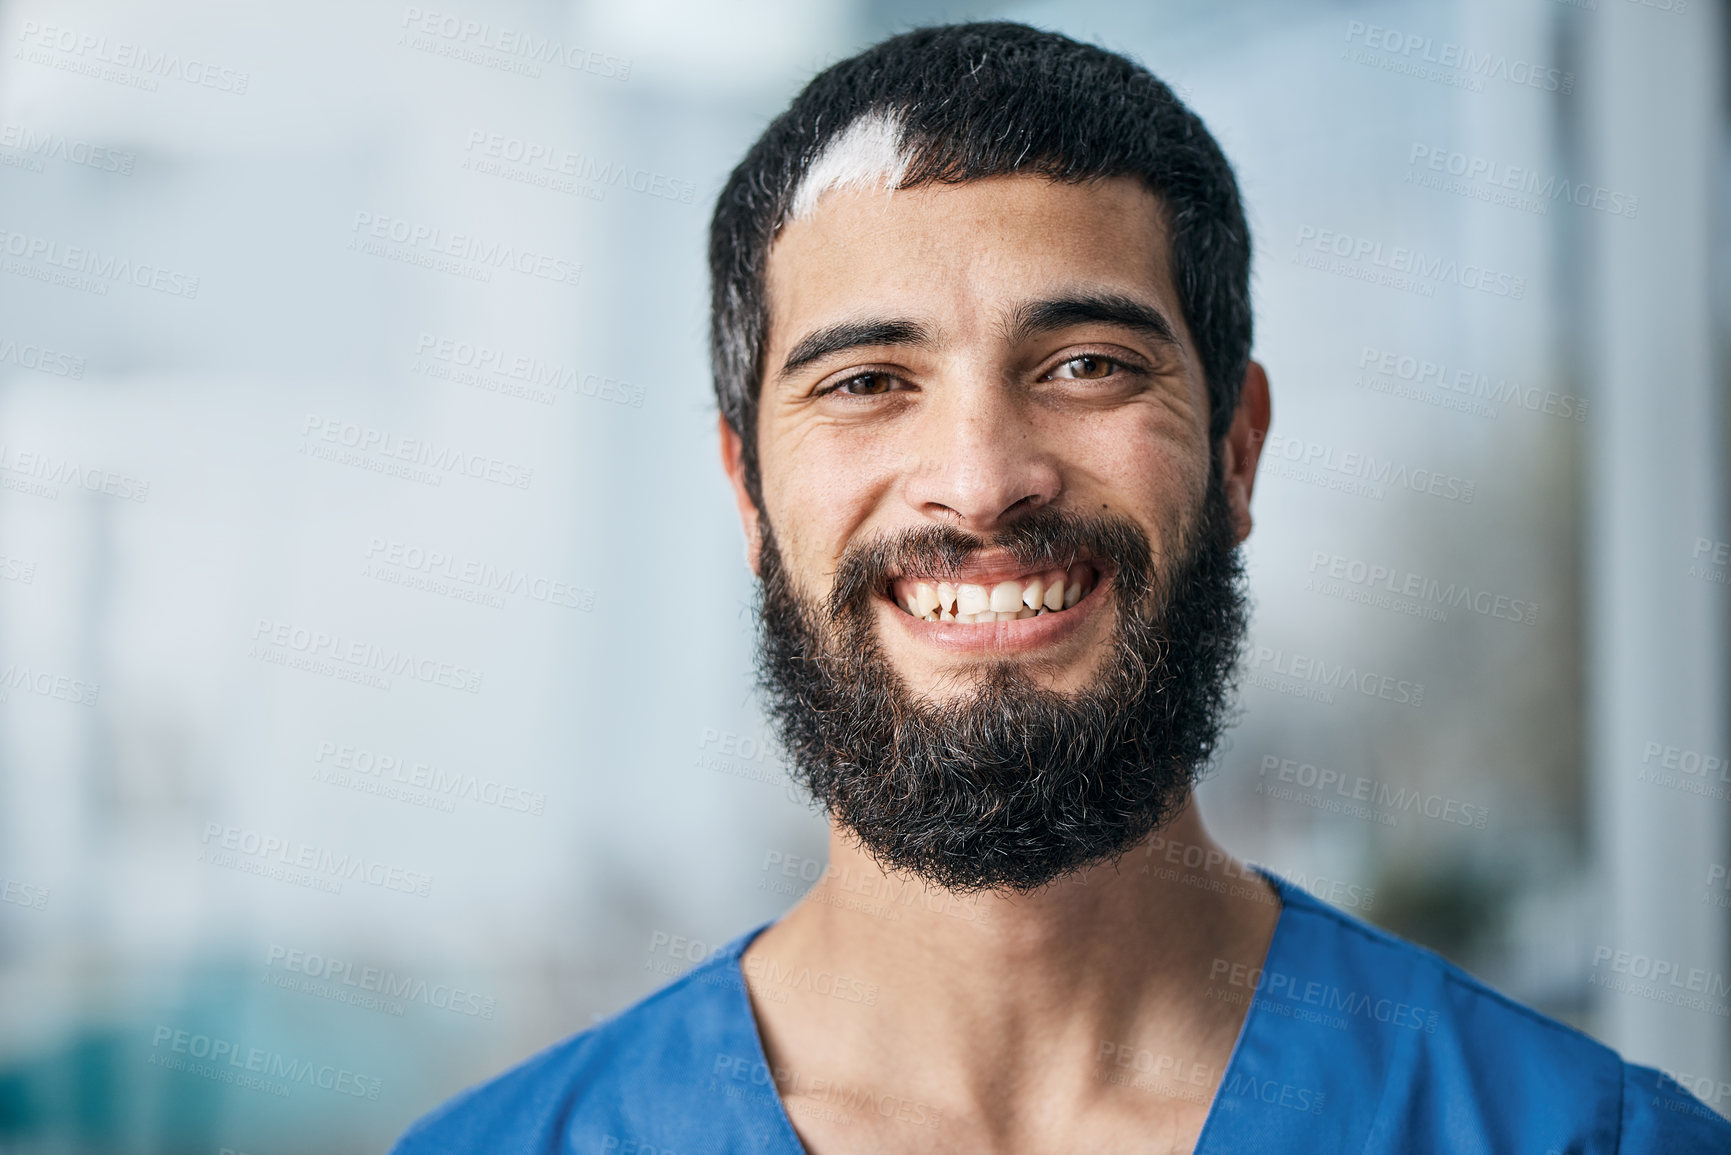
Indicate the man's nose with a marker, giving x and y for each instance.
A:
(980, 460)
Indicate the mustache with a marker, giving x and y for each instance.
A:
(1046, 538)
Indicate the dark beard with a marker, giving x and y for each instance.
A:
(1011, 785)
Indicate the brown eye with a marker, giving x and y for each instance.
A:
(867, 385)
(1087, 368)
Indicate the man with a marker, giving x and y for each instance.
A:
(981, 338)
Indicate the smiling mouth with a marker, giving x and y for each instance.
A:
(999, 597)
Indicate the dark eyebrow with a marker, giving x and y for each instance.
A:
(1038, 317)
(851, 335)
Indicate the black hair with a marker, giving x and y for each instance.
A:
(982, 100)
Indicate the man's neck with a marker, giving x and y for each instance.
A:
(1097, 1002)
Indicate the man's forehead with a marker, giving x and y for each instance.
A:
(1108, 214)
(987, 250)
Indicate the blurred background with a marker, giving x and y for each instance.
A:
(375, 639)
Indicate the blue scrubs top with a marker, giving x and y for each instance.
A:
(1355, 1042)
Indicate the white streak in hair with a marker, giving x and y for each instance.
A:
(868, 154)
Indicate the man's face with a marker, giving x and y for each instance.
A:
(1001, 600)
(993, 412)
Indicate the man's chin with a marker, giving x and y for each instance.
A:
(1007, 878)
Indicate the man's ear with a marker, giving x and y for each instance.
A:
(1243, 446)
(733, 462)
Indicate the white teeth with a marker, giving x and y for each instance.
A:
(972, 599)
(926, 597)
(1054, 599)
(1005, 601)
